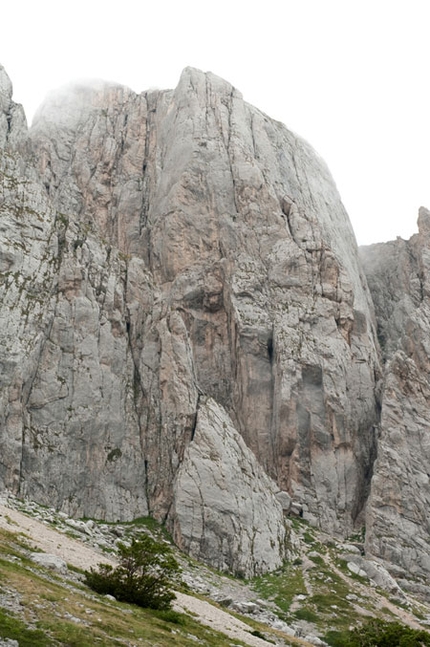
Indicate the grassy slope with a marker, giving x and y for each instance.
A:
(326, 584)
(57, 610)
(61, 611)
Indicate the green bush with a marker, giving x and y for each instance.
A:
(306, 614)
(168, 615)
(145, 575)
(377, 633)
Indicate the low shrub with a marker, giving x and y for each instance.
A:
(378, 633)
(145, 575)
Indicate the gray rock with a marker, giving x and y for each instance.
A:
(225, 601)
(161, 246)
(314, 640)
(377, 573)
(399, 278)
(416, 588)
(348, 548)
(226, 511)
(49, 561)
(285, 501)
(245, 607)
(13, 124)
(283, 626)
(80, 526)
(355, 568)
(296, 509)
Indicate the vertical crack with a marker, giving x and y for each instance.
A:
(193, 428)
(138, 390)
(151, 108)
(229, 151)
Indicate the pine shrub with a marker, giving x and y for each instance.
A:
(145, 575)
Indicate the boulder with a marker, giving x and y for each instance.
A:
(376, 573)
(52, 562)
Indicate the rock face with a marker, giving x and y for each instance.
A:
(173, 262)
(397, 514)
(219, 511)
(12, 117)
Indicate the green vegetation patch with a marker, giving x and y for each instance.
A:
(15, 629)
(378, 633)
(281, 586)
(306, 614)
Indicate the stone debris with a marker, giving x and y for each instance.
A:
(237, 595)
(349, 548)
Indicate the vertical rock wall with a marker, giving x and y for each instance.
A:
(397, 513)
(191, 248)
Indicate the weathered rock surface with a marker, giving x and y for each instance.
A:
(49, 561)
(163, 248)
(8, 642)
(225, 503)
(397, 517)
(377, 573)
(12, 117)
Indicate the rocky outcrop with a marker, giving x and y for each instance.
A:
(49, 561)
(13, 123)
(163, 250)
(397, 514)
(225, 504)
(376, 574)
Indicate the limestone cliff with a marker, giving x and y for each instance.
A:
(397, 515)
(182, 306)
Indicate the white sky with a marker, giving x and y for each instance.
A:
(350, 76)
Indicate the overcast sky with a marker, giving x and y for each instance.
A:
(351, 77)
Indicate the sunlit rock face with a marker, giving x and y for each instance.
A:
(164, 251)
(398, 521)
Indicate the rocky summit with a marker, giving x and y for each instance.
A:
(189, 332)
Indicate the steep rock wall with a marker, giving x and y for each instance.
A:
(191, 247)
(397, 524)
